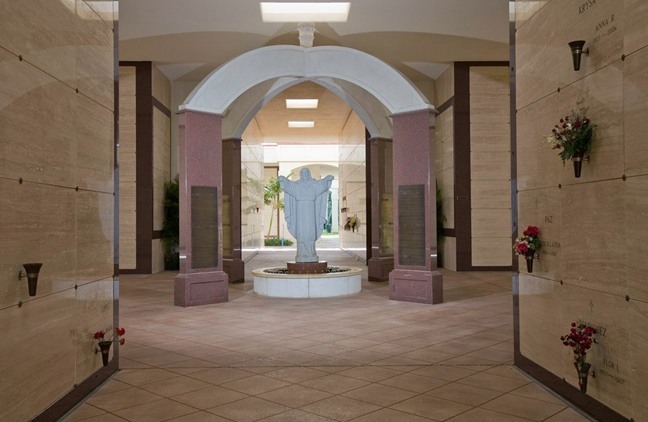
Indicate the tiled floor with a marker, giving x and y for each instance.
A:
(362, 358)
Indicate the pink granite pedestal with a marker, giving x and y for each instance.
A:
(200, 288)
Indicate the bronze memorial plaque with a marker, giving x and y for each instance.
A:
(204, 226)
(411, 225)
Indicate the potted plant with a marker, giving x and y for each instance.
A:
(580, 339)
(573, 137)
(527, 245)
(104, 344)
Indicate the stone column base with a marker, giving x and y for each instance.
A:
(416, 286)
(235, 269)
(200, 288)
(379, 268)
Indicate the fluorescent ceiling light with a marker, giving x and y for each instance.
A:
(302, 103)
(305, 12)
(293, 123)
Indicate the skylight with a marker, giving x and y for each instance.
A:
(302, 103)
(300, 124)
(305, 12)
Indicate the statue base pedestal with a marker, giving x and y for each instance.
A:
(307, 267)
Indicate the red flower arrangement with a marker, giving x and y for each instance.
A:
(528, 242)
(580, 339)
(118, 331)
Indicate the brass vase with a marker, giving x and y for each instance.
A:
(104, 348)
(529, 256)
(583, 372)
(577, 159)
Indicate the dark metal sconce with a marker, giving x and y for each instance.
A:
(577, 50)
(32, 270)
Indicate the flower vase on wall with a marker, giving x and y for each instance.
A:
(583, 373)
(529, 256)
(577, 159)
(104, 348)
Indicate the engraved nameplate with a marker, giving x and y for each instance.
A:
(204, 226)
(411, 225)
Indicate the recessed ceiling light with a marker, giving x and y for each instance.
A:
(305, 12)
(302, 103)
(301, 123)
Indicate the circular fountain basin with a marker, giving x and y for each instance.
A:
(341, 281)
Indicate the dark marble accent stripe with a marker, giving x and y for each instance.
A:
(448, 232)
(461, 123)
(443, 107)
(144, 166)
(157, 234)
(164, 109)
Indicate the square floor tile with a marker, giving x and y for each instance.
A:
(296, 415)
(380, 395)
(256, 384)
(155, 411)
(431, 407)
(390, 415)
(523, 407)
(413, 382)
(340, 408)
(370, 373)
(483, 415)
(295, 396)
(248, 410)
(122, 399)
(174, 386)
(462, 393)
(209, 397)
(494, 382)
(335, 383)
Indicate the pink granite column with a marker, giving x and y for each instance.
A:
(415, 277)
(201, 279)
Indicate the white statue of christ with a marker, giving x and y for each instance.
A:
(305, 208)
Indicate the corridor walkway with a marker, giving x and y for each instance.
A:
(362, 358)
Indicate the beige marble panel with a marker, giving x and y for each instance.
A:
(638, 317)
(44, 33)
(127, 81)
(161, 87)
(538, 165)
(445, 86)
(37, 352)
(93, 312)
(95, 56)
(635, 87)
(103, 9)
(542, 208)
(491, 251)
(37, 131)
(600, 25)
(635, 34)
(635, 230)
(490, 108)
(539, 46)
(446, 183)
(127, 254)
(94, 237)
(541, 323)
(490, 137)
(525, 9)
(487, 81)
(490, 165)
(610, 357)
(94, 133)
(593, 244)
(602, 92)
(448, 251)
(127, 168)
(491, 194)
(491, 223)
(37, 224)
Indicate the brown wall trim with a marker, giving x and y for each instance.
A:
(586, 403)
(462, 165)
(157, 234)
(157, 104)
(443, 107)
(462, 191)
(77, 394)
(144, 165)
(448, 232)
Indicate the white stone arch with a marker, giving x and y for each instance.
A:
(291, 64)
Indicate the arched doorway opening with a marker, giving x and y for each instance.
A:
(391, 107)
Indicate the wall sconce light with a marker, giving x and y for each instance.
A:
(577, 50)
(31, 273)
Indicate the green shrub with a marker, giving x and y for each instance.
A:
(273, 241)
